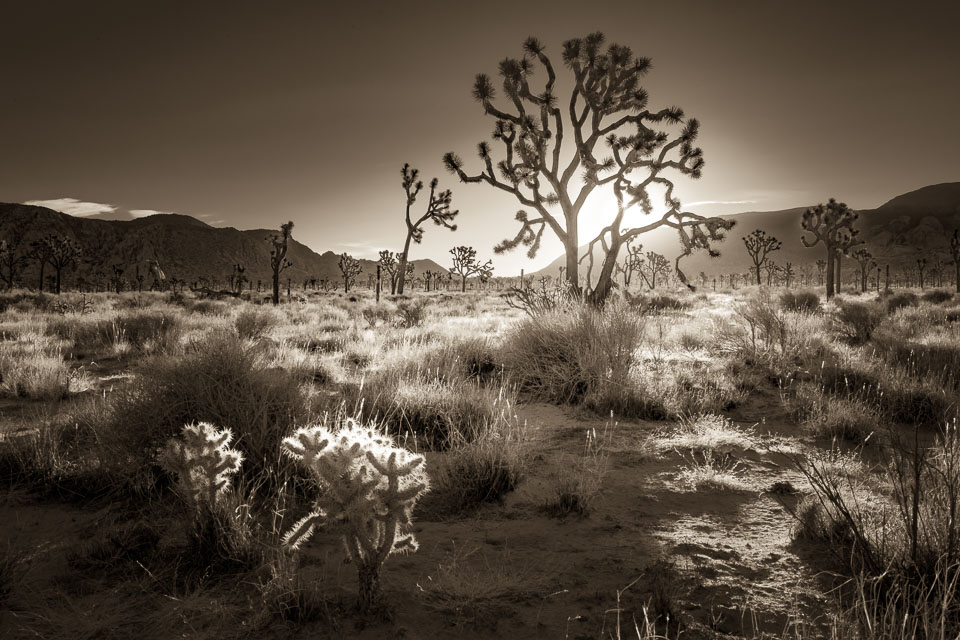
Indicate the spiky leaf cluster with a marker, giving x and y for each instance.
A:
(368, 489)
(203, 462)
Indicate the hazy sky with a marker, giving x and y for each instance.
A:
(249, 114)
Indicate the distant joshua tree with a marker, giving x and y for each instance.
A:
(118, 277)
(438, 210)
(350, 267)
(831, 224)
(238, 278)
(865, 259)
(921, 270)
(759, 246)
(465, 264)
(821, 265)
(40, 251)
(631, 262)
(12, 260)
(613, 140)
(772, 269)
(60, 253)
(278, 256)
(388, 265)
(955, 255)
(788, 274)
(652, 267)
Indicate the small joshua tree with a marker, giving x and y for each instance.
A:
(955, 255)
(631, 262)
(350, 267)
(865, 259)
(368, 489)
(11, 258)
(759, 246)
(40, 251)
(438, 210)
(652, 267)
(62, 253)
(832, 225)
(788, 274)
(921, 269)
(821, 265)
(772, 269)
(465, 264)
(278, 257)
(388, 264)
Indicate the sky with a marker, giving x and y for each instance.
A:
(248, 114)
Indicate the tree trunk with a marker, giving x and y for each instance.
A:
(463, 287)
(369, 587)
(401, 276)
(605, 280)
(43, 265)
(573, 264)
(378, 283)
(831, 264)
(958, 276)
(58, 281)
(759, 281)
(839, 273)
(276, 288)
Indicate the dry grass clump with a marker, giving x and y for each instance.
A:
(580, 482)
(802, 301)
(707, 433)
(253, 322)
(222, 380)
(844, 418)
(900, 301)
(580, 355)
(485, 468)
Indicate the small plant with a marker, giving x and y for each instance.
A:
(858, 320)
(203, 462)
(901, 300)
(368, 489)
(802, 301)
(579, 485)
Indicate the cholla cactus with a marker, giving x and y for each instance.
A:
(203, 462)
(369, 488)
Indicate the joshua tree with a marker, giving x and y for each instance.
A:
(921, 269)
(788, 274)
(278, 256)
(821, 265)
(831, 224)
(40, 251)
(11, 259)
(865, 259)
(759, 246)
(238, 278)
(388, 264)
(772, 269)
(936, 269)
(350, 267)
(955, 255)
(118, 277)
(631, 262)
(607, 114)
(652, 266)
(465, 264)
(438, 210)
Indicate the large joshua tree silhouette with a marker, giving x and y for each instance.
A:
(832, 225)
(608, 138)
(278, 257)
(438, 210)
(759, 246)
(350, 267)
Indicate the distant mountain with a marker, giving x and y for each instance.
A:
(915, 224)
(184, 247)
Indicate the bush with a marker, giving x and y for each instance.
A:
(901, 300)
(656, 302)
(937, 296)
(252, 323)
(221, 380)
(803, 301)
(581, 355)
(858, 320)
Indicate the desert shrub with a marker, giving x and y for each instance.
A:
(938, 361)
(580, 482)
(858, 320)
(655, 303)
(842, 418)
(253, 323)
(901, 300)
(804, 301)
(577, 355)
(411, 313)
(896, 530)
(28, 370)
(221, 380)
(485, 468)
(937, 296)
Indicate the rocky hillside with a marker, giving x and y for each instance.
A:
(184, 247)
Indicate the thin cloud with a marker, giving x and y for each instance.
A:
(143, 213)
(74, 207)
(700, 203)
